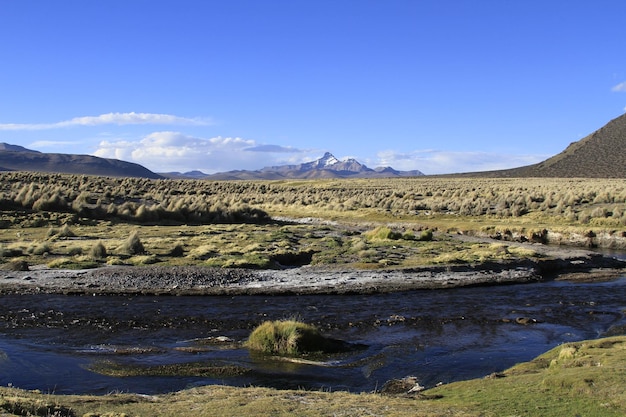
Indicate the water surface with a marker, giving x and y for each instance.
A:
(49, 342)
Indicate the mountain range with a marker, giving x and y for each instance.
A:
(598, 155)
(328, 166)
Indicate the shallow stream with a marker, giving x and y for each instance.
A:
(50, 342)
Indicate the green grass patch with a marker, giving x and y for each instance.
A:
(290, 337)
(383, 233)
(582, 378)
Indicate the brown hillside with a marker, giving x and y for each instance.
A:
(16, 158)
(599, 155)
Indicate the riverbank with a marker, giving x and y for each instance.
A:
(550, 263)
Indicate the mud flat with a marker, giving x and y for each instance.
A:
(553, 263)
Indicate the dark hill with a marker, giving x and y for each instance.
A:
(599, 155)
(16, 158)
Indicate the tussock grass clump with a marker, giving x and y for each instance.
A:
(177, 251)
(61, 232)
(73, 263)
(426, 235)
(203, 252)
(144, 260)
(132, 245)
(383, 233)
(567, 352)
(290, 337)
(98, 251)
(521, 252)
(386, 233)
(17, 265)
(40, 249)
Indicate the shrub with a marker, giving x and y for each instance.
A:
(133, 245)
(98, 251)
(291, 337)
(177, 251)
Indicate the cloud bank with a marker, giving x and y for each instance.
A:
(169, 151)
(432, 161)
(119, 119)
(177, 152)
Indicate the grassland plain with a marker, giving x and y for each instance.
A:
(67, 221)
(80, 221)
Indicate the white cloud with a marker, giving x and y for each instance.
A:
(131, 118)
(619, 88)
(174, 151)
(432, 162)
(51, 144)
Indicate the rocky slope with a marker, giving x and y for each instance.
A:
(598, 155)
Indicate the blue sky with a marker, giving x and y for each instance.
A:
(441, 86)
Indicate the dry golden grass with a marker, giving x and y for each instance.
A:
(364, 223)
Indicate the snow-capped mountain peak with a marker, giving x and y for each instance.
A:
(328, 166)
(328, 159)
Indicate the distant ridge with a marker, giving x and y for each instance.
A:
(328, 166)
(17, 158)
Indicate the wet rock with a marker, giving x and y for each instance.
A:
(406, 385)
(395, 319)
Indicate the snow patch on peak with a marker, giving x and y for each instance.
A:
(328, 159)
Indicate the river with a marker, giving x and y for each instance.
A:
(51, 342)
